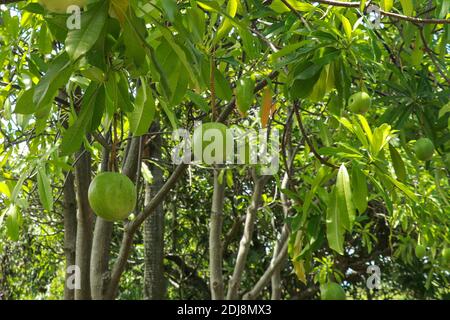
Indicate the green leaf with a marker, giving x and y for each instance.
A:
(445, 109)
(180, 53)
(387, 5)
(229, 176)
(405, 189)
(73, 137)
(144, 111)
(398, 164)
(360, 191)
(80, 41)
(408, 7)
(226, 26)
(170, 7)
(344, 198)
(4, 189)
(244, 94)
(57, 75)
(25, 103)
(335, 225)
(381, 137)
(13, 222)
(347, 26)
(44, 189)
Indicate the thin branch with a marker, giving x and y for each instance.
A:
(298, 14)
(262, 282)
(432, 56)
(385, 13)
(309, 142)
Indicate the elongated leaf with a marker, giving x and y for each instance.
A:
(387, 5)
(226, 25)
(45, 189)
(244, 94)
(80, 41)
(360, 191)
(144, 111)
(335, 225)
(13, 222)
(118, 9)
(25, 103)
(344, 198)
(73, 137)
(398, 164)
(181, 55)
(408, 7)
(57, 75)
(404, 188)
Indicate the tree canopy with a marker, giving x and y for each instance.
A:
(355, 96)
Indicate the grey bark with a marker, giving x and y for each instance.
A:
(84, 224)
(154, 281)
(100, 255)
(70, 230)
(215, 232)
(100, 248)
(246, 239)
(265, 278)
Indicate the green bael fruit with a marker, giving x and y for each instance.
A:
(420, 251)
(359, 102)
(210, 142)
(112, 196)
(424, 149)
(332, 291)
(60, 6)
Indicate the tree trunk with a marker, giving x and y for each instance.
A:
(100, 248)
(244, 245)
(100, 275)
(84, 226)
(70, 230)
(215, 247)
(154, 281)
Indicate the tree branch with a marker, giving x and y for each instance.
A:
(385, 13)
(246, 239)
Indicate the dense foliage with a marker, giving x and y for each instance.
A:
(352, 189)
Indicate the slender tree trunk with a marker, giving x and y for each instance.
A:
(154, 281)
(100, 275)
(70, 230)
(84, 226)
(215, 248)
(274, 265)
(276, 277)
(246, 239)
(100, 248)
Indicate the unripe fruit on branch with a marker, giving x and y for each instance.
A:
(420, 251)
(112, 196)
(424, 149)
(359, 102)
(332, 291)
(60, 6)
(210, 141)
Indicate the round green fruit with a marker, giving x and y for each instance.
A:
(420, 251)
(210, 141)
(332, 291)
(424, 149)
(112, 196)
(359, 102)
(60, 6)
